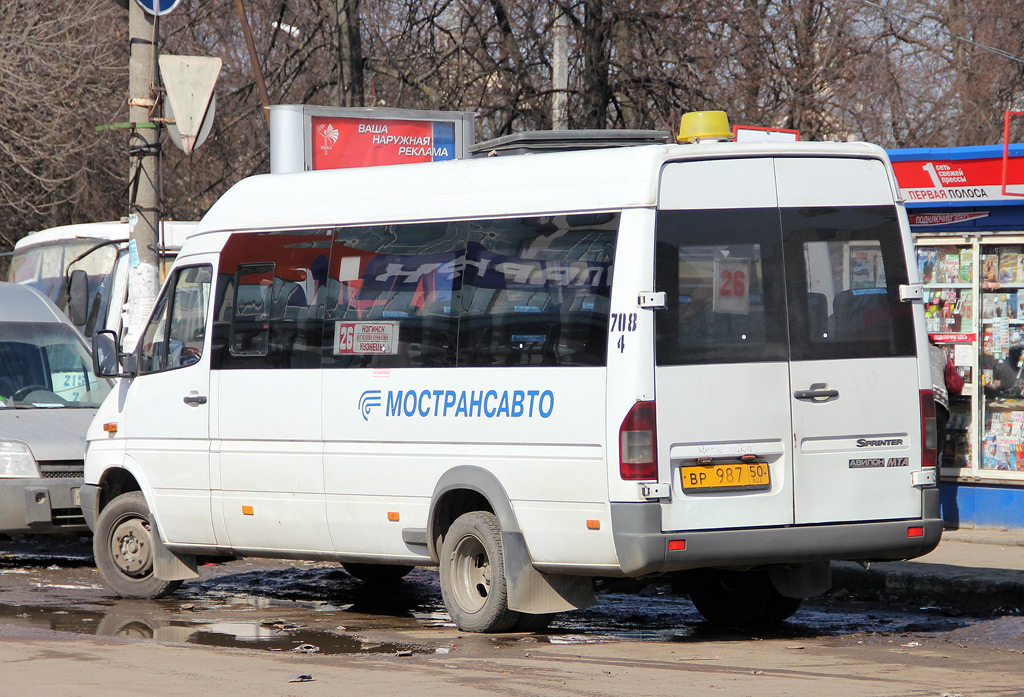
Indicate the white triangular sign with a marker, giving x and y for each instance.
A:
(189, 81)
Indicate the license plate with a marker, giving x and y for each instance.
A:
(742, 476)
(76, 497)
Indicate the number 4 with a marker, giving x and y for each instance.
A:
(621, 343)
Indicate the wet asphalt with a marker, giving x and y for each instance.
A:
(315, 607)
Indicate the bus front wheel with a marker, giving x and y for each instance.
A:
(123, 548)
(473, 575)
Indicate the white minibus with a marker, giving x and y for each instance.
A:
(83, 268)
(705, 360)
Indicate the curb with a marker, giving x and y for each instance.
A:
(958, 588)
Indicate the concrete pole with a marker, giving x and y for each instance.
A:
(560, 71)
(144, 163)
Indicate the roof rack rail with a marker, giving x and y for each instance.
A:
(560, 141)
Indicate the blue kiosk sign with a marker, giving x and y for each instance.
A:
(158, 7)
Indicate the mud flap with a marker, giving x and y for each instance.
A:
(168, 566)
(534, 592)
(802, 580)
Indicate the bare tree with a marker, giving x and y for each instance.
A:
(901, 73)
(350, 53)
(64, 71)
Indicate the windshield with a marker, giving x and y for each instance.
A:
(44, 268)
(46, 365)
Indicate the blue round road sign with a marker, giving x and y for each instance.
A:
(158, 7)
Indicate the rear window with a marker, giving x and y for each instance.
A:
(765, 284)
(844, 267)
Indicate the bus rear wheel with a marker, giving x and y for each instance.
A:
(123, 548)
(742, 598)
(473, 575)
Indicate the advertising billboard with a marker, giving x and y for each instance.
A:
(305, 138)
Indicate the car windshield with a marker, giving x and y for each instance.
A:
(44, 267)
(46, 365)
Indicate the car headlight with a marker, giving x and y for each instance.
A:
(16, 460)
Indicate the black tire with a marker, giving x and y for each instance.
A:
(377, 573)
(473, 575)
(732, 597)
(778, 607)
(123, 548)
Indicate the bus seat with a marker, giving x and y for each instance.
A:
(817, 315)
(857, 313)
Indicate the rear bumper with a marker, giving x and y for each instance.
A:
(643, 549)
(41, 505)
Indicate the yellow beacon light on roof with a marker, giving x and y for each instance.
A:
(704, 125)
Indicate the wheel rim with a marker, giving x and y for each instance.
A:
(131, 547)
(471, 574)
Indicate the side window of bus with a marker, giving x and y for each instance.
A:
(176, 332)
(845, 266)
(722, 272)
(250, 322)
(271, 291)
(393, 296)
(536, 291)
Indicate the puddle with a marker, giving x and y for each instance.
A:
(323, 610)
(145, 623)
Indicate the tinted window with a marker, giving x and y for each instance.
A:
(536, 291)
(271, 291)
(393, 294)
(525, 291)
(722, 273)
(176, 331)
(845, 267)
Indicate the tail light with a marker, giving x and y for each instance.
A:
(929, 456)
(638, 443)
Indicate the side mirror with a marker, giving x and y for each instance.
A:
(78, 297)
(105, 356)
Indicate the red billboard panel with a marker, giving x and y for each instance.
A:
(340, 142)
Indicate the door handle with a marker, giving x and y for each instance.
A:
(819, 392)
(194, 399)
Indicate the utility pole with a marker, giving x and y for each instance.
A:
(143, 173)
(560, 70)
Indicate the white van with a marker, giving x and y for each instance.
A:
(93, 259)
(532, 371)
(48, 397)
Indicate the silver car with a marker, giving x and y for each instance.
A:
(48, 397)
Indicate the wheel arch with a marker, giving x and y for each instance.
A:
(467, 488)
(463, 489)
(120, 479)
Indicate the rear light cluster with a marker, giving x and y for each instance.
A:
(638, 443)
(928, 432)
